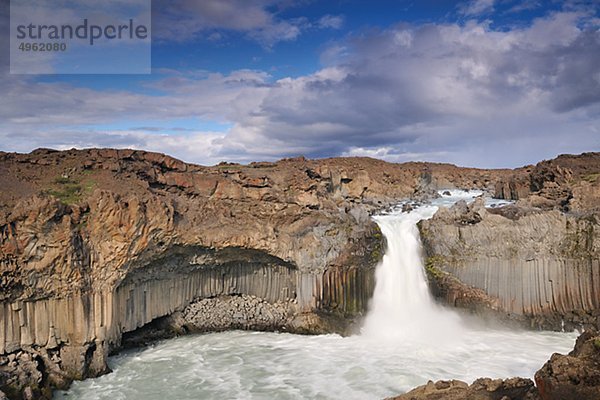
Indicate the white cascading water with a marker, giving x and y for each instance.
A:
(402, 306)
(407, 339)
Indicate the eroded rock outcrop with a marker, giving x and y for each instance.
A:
(481, 389)
(538, 267)
(573, 376)
(535, 262)
(99, 243)
(568, 183)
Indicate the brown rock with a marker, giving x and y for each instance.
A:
(553, 183)
(97, 243)
(586, 195)
(573, 376)
(481, 389)
(547, 261)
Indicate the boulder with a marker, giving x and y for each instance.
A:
(573, 376)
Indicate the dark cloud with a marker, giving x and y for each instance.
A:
(437, 87)
(577, 79)
(466, 94)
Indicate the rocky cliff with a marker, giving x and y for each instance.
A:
(104, 247)
(568, 183)
(575, 375)
(536, 261)
(98, 244)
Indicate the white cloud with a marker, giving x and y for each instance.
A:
(403, 38)
(463, 94)
(331, 21)
(525, 5)
(183, 20)
(278, 32)
(477, 7)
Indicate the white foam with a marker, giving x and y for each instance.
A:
(249, 365)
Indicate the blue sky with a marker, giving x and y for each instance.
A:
(489, 83)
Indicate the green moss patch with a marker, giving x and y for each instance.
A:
(377, 252)
(433, 265)
(71, 190)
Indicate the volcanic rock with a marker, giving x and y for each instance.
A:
(573, 376)
(96, 244)
(481, 389)
(539, 268)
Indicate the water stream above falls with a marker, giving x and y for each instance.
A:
(406, 340)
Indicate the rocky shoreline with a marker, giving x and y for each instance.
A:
(103, 248)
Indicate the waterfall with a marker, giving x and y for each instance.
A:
(402, 308)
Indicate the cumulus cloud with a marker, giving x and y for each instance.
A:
(466, 94)
(444, 89)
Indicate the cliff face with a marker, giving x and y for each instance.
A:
(543, 266)
(575, 375)
(101, 246)
(537, 261)
(98, 243)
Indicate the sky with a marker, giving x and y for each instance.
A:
(483, 83)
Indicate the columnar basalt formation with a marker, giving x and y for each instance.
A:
(537, 261)
(541, 267)
(98, 243)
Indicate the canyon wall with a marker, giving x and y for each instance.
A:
(95, 244)
(541, 268)
(75, 333)
(98, 244)
(536, 261)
